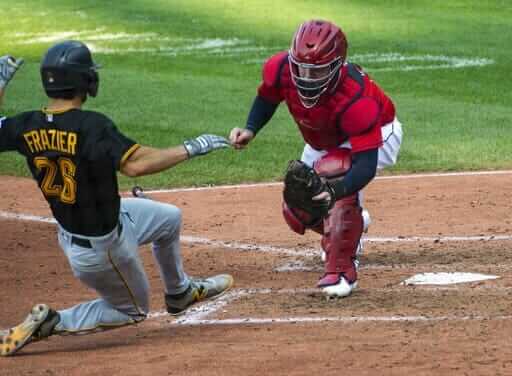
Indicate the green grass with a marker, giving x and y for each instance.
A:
(454, 119)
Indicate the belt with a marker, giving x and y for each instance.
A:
(86, 243)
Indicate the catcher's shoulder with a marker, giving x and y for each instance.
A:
(273, 68)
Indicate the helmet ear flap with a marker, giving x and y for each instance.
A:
(93, 84)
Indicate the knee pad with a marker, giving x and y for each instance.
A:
(335, 164)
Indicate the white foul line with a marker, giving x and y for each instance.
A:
(306, 252)
(275, 184)
(198, 313)
(196, 316)
(26, 217)
(300, 266)
(340, 319)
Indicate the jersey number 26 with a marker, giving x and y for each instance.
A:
(65, 192)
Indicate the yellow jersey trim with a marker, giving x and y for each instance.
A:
(129, 152)
(56, 112)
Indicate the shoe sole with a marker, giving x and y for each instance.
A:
(12, 340)
(211, 298)
(333, 296)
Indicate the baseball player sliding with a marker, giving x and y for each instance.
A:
(74, 155)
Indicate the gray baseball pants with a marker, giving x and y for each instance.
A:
(112, 266)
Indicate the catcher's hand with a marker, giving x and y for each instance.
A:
(8, 67)
(204, 144)
(305, 190)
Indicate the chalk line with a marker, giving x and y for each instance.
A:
(277, 184)
(306, 252)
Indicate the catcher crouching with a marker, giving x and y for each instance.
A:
(350, 130)
(310, 202)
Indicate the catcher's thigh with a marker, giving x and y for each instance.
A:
(392, 140)
(388, 152)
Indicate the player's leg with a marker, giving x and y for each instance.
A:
(111, 266)
(343, 227)
(160, 224)
(360, 247)
(392, 140)
(114, 269)
(388, 155)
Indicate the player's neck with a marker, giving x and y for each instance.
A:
(64, 104)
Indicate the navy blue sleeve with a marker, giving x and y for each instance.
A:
(260, 114)
(364, 169)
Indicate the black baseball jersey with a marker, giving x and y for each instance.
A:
(74, 156)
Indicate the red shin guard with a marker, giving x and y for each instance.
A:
(343, 228)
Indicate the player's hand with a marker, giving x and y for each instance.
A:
(240, 137)
(327, 196)
(8, 67)
(204, 144)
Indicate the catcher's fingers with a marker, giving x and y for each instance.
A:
(234, 134)
(322, 196)
(241, 137)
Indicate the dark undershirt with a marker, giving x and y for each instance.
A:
(363, 170)
(260, 114)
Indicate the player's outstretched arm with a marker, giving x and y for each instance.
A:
(260, 114)
(8, 67)
(147, 160)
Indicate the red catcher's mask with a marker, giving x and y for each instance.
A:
(317, 53)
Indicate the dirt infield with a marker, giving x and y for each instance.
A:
(274, 322)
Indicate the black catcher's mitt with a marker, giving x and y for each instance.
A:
(301, 184)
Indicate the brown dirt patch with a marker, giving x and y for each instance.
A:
(466, 328)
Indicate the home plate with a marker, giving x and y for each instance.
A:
(446, 278)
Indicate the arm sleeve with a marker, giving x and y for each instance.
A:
(260, 114)
(121, 147)
(364, 169)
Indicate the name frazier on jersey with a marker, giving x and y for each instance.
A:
(51, 140)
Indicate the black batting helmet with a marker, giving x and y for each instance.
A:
(67, 70)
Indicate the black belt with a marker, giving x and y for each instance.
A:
(86, 243)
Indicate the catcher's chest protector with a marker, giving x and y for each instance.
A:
(320, 125)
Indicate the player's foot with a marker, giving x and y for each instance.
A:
(334, 285)
(198, 291)
(39, 324)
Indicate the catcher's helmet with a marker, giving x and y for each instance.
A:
(67, 70)
(318, 51)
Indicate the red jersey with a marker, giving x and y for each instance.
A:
(355, 110)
